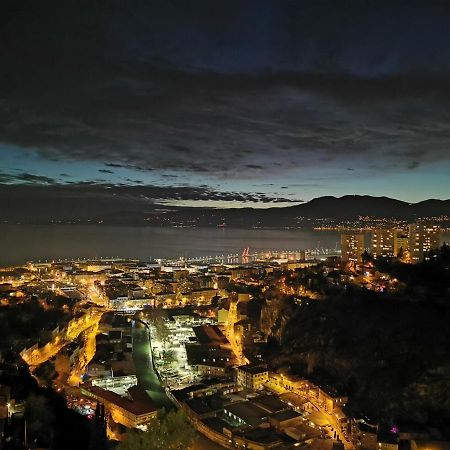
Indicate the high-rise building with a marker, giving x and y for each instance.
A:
(383, 243)
(423, 236)
(401, 242)
(352, 247)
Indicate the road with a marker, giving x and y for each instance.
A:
(75, 327)
(85, 355)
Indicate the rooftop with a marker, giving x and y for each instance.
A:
(247, 411)
(271, 403)
(203, 354)
(286, 415)
(139, 403)
(253, 368)
(262, 435)
(210, 334)
(294, 399)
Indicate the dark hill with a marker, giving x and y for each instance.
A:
(137, 206)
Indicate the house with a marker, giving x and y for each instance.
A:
(252, 376)
(132, 411)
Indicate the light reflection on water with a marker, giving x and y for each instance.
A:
(21, 243)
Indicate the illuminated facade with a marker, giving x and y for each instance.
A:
(423, 236)
(133, 411)
(383, 243)
(401, 242)
(252, 376)
(352, 247)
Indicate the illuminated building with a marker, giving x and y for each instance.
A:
(423, 236)
(401, 242)
(134, 410)
(209, 361)
(211, 356)
(352, 247)
(222, 317)
(252, 376)
(383, 243)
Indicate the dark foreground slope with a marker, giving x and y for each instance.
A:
(389, 352)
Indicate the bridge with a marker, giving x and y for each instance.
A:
(247, 256)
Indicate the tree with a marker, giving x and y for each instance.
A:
(39, 417)
(162, 332)
(164, 432)
(46, 373)
(169, 356)
(366, 257)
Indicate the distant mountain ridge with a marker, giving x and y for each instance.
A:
(125, 207)
(351, 206)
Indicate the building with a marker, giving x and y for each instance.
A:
(252, 376)
(423, 236)
(332, 401)
(222, 316)
(303, 432)
(270, 403)
(134, 410)
(210, 335)
(285, 419)
(383, 243)
(352, 247)
(245, 413)
(401, 242)
(201, 296)
(209, 361)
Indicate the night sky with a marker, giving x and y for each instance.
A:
(239, 102)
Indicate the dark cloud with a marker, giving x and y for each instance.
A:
(301, 125)
(105, 171)
(47, 188)
(413, 165)
(25, 177)
(79, 155)
(254, 166)
(374, 37)
(218, 88)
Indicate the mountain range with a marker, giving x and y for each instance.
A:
(129, 207)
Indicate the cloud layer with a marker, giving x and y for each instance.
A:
(235, 129)
(227, 91)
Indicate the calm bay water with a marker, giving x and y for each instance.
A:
(21, 243)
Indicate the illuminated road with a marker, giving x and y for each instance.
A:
(36, 356)
(87, 352)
